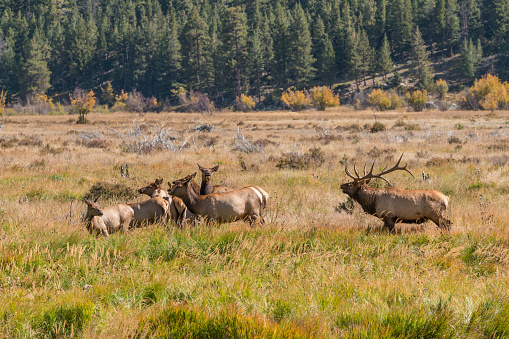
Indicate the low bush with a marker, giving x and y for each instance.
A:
(109, 191)
(417, 99)
(296, 100)
(323, 97)
(296, 160)
(244, 103)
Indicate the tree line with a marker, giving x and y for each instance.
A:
(226, 48)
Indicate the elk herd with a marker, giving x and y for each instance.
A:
(187, 202)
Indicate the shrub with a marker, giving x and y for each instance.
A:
(296, 160)
(377, 127)
(441, 88)
(109, 191)
(323, 97)
(43, 104)
(417, 99)
(108, 97)
(244, 103)
(296, 100)
(81, 103)
(379, 99)
(193, 101)
(122, 97)
(135, 102)
(395, 100)
(489, 93)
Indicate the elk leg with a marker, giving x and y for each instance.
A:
(390, 224)
(444, 224)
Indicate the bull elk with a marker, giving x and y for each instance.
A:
(177, 209)
(206, 181)
(108, 220)
(394, 204)
(241, 204)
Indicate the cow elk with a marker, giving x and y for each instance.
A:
(393, 204)
(206, 181)
(108, 220)
(241, 204)
(150, 211)
(178, 211)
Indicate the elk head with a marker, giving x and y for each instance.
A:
(178, 187)
(206, 173)
(150, 188)
(93, 208)
(352, 188)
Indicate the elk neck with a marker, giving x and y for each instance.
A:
(366, 197)
(206, 187)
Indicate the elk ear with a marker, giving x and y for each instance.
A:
(192, 176)
(159, 182)
(215, 168)
(201, 168)
(97, 198)
(366, 181)
(86, 201)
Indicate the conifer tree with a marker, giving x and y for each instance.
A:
(301, 69)
(281, 42)
(234, 46)
(421, 66)
(400, 21)
(366, 55)
(471, 58)
(195, 50)
(385, 64)
(35, 75)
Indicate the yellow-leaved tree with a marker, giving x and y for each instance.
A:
(323, 97)
(3, 96)
(81, 103)
(489, 92)
(417, 99)
(384, 100)
(296, 100)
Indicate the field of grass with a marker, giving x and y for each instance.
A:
(316, 269)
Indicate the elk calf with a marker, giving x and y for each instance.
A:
(107, 220)
(394, 204)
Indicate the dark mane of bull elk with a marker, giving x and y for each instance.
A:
(394, 204)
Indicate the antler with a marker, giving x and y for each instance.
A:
(370, 175)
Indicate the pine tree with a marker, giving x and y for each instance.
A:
(234, 46)
(385, 64)
(281, 42)
(301, 69)
(452, 26)
(421, 66)
(35, 75)
(195, 51)
(471, 57)
(354, 58)
(366, 55)
(401, 25)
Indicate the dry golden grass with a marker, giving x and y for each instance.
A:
(312, 271)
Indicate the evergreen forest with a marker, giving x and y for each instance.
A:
(225, 48)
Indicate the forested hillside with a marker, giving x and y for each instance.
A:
(227, 47)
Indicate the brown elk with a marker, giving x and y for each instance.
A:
(178, 211)
(154, 189)
(206, 182)
(241, 204)
(108, 220)
(393, 204)
(150, 211)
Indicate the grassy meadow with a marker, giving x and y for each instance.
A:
(319, 267)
